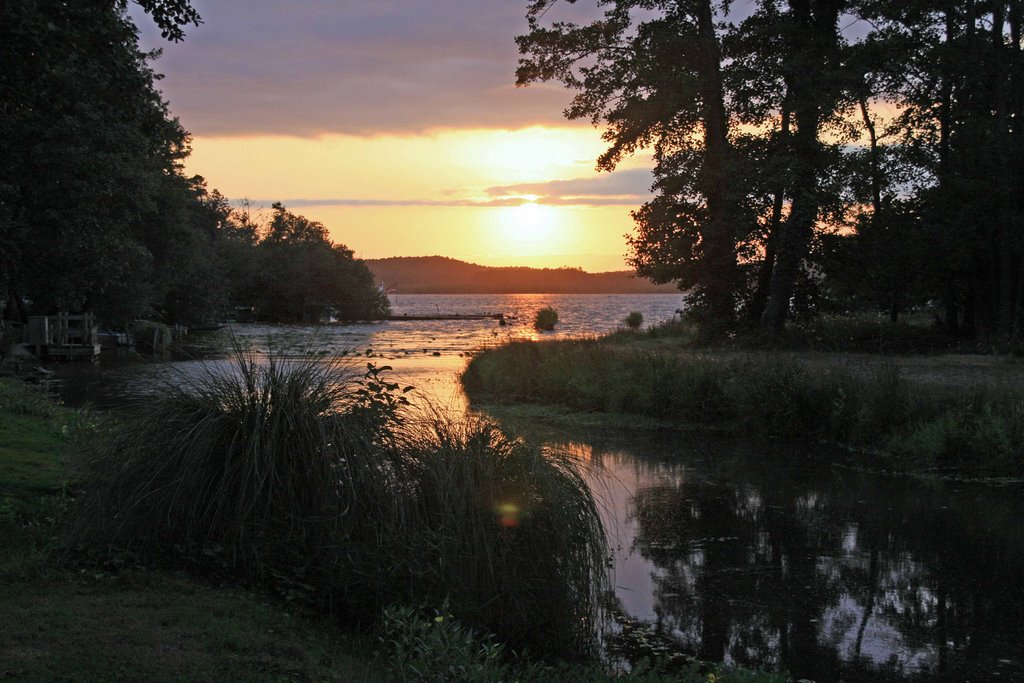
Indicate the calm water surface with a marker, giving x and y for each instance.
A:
(763, 556)
(756, 555)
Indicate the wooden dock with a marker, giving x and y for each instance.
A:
(63, 336)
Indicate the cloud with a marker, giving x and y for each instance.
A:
(295, 203)
(628, 187)
(526, 196)
(626, 184)
(350, 66)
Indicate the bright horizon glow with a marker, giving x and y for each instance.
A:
(434, 194)
(528, 225)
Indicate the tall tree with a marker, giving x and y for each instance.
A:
(812, 64)
(87, 148)
(650, 71)
(961, 98)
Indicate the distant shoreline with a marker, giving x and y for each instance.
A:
(529, 293)
(443, 275)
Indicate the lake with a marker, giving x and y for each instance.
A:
(757, 554)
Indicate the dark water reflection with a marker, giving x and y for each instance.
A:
(762, 557)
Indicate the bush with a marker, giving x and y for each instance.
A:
(298, 475)
(151, 336)
(634, 320)
(546, 319)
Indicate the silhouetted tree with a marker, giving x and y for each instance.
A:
(653, 78)
(302, 276)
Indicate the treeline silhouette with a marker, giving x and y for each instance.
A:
(835, 155)
(96, 211)
(443, 275)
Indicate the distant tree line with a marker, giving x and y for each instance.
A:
(442, 275)
(96, 212)
(812, 154)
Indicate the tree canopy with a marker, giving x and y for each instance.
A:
(96, 212)
(812, 154)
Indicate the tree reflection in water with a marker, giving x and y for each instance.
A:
(765, 556)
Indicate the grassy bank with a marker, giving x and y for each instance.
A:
(972, 430)
(121, 606)
(135, 624)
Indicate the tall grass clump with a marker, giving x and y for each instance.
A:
(247, 468)
(546, 319)
(300, 475)
(508, 532)
(634, 320)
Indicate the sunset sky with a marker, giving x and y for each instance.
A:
(398, 125)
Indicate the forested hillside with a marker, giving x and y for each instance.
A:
(441, 275)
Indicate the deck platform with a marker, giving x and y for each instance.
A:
(63, 336)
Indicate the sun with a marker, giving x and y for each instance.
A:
(529, 226)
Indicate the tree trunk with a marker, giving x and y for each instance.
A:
(718, 238)
(764, 276)
(877, 223)
(1001, 148)
(944, 172)
(814, 53)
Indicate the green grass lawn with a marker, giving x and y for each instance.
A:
(88, 626)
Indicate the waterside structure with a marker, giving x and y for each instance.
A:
(63, 336)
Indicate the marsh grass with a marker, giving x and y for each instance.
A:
(240, 465)
(513, 525)
(318, 481)
(977, 431)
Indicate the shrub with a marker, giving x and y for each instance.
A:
(242, 467)
(508, 533)
(151, 336)
(439, 648)
(634, 320)
(299, 475)
(546, 319)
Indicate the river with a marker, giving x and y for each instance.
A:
(756, 554)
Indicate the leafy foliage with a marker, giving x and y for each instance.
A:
(837, 155)
(298, 475)
(96, 213)
(301, 276)
(546, 319)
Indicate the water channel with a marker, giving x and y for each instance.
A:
(766, 555)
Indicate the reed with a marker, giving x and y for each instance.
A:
(305, 476)
(508, 532)
(976, 431)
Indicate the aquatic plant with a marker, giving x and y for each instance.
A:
(151, 336)
(305, 476)
(979, 431)
(634, 320)
(545, 319)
